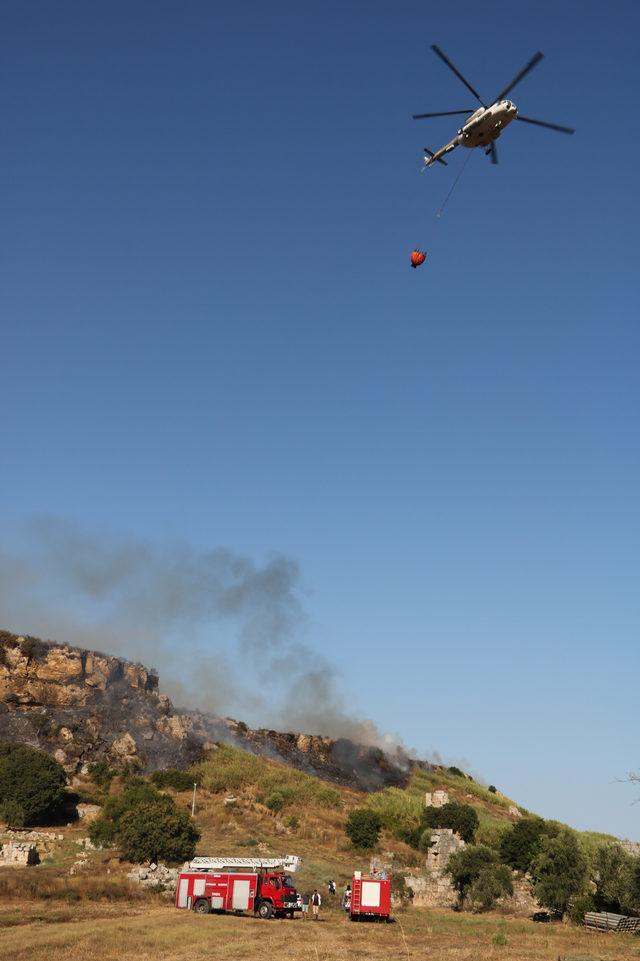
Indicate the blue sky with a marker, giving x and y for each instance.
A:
(211, 335)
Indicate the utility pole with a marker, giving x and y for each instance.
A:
(193, 803)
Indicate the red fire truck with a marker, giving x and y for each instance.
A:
(370, 898)
(261, 885)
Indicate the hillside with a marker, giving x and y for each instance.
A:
(81, 706)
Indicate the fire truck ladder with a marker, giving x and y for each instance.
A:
(356, 895)
(288, 862)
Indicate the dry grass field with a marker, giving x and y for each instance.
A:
(157, 932)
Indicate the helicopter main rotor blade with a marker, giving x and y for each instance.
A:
(543, 123)
(446, 60)
(494, 153)
(525, 70)
(444, 113)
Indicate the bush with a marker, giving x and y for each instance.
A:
(559, 870)
(145, 825)
(275, 802)
(174, 778)
(461, 818)
(467, 865)
(101, 774)
(363, 828)
(425, 840)
(4, 660)
(157, 831)
(493, 881)
(614, 876)
(32, 648)
(32, 786)
(492, 788)
(579, 906)
(521, 843)
(456, 771)
(292, 822)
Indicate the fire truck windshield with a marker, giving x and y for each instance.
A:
(287, 882)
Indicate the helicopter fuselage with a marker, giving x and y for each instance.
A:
(483, 127)
(486, 124)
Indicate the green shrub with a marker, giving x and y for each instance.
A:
(145, 825)
(520, 845)
(327, 797)
(493, 881)
(500, 939)
(615, 872)
(467, 865)
(579, 906)
(293, 822)
(455, 771)
(32, 786)
(101, 774)
(461, 818)
(174, 778)
(275, 802)
(559, 870)
(157, 831)
(425, 840)
(363, 828)
(493, 789)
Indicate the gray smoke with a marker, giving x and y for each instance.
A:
(225, 633)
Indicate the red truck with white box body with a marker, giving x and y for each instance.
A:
(370, 898)
(239, 884)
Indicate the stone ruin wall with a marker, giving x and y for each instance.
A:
(437, 799)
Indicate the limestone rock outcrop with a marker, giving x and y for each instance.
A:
(82, 706)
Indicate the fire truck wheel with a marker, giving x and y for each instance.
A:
(201, 906)
(265, 910)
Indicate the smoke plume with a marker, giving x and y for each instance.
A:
(225, 633)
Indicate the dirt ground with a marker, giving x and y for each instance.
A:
(112, 932)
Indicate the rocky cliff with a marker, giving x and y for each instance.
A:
(82, 706)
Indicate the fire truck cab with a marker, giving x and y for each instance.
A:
(370, 898)
(239, 884)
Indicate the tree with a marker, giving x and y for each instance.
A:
(521, 843)
(145, 825)
(461, 818)
(477, 876)
(616, 876)
(363, 828)
(494, 881)
(157, 831)
(32, 786)
(560, 871)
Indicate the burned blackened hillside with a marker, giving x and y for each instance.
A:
(82, 706)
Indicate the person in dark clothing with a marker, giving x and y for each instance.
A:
(305, 905)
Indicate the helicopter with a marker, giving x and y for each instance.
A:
(485, 124)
